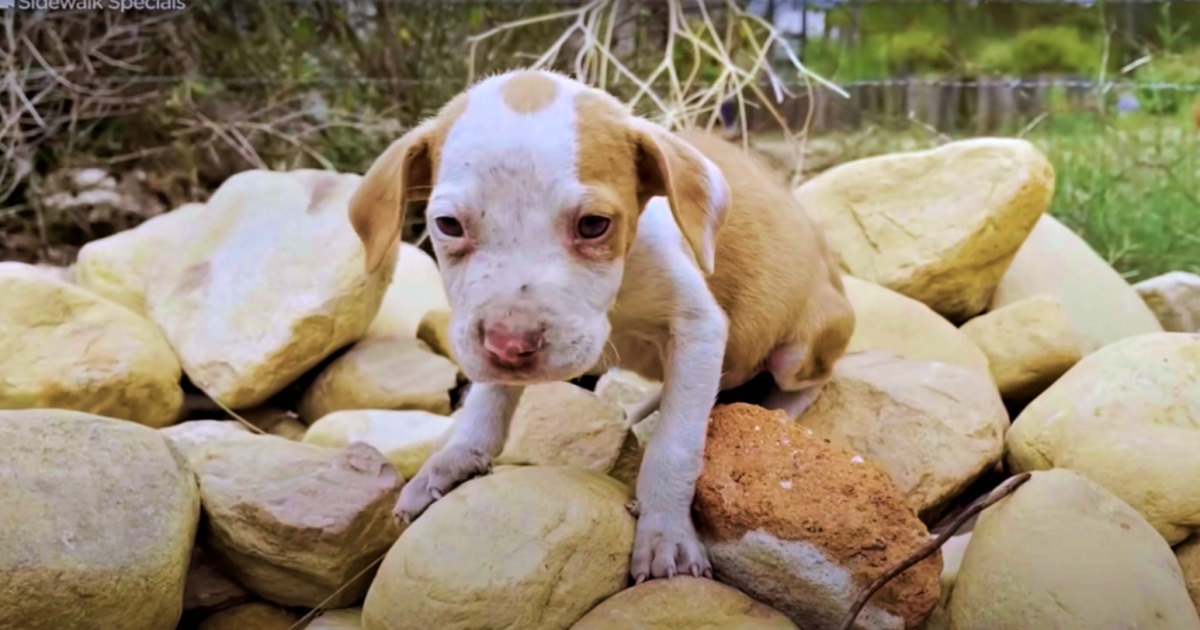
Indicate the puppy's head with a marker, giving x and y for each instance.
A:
(535, 184)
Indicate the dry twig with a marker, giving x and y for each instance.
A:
(1003, 490)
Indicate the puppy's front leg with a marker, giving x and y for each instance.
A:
(666, 543)
(478, 435)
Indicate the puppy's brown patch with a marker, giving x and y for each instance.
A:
(605, 158)
(528, 92)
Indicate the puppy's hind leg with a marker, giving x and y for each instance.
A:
(798, 381)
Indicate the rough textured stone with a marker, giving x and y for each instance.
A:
(64, 347)
(531, 547)
(416, 290)
(940, 225)
(1188, 555)
(934, 427)
(256, 616)
(292, 521)
(1062, 552)
(1174, 299)
(235, 284)
(560, 424)
(1128, 417)
(802, 525)
(342, 619)
(888, 321)
(406, 438)
(382, 373)
(682, 603)
(1055, 261)
(1029, 344)
(97, 524)
(187, 436)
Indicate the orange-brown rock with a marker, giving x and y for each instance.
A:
(803, 526)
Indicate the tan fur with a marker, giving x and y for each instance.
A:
(775, 276)
(528, 92)
(406, 172)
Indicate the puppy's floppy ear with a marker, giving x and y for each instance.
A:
(404, 173)
(693, 185)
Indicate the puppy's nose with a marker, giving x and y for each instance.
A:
(509, 348)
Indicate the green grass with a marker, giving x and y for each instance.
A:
(1130, 186)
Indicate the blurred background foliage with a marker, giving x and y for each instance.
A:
(175, 103)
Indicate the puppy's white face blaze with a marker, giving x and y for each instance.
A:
(530, 268)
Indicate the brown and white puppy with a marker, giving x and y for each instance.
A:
(573, 236)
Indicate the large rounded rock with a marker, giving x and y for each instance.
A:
(237, 284)
(382, 373)
(406, 438)
(415, 291)
(804, 526)
(682, 603)
(560, 424)
(1128, 417)
(934, 427)
(1029, 344)
(1062, 552)
(295, 522)
(1055, 261)
(1174, 298)
(888, 321)
(940, 225)
(97, 523)
(530, 547)
(64, 347)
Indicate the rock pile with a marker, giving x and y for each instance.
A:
(129, 501)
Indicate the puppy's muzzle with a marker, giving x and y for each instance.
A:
(512, 347)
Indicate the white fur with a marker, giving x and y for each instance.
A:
(511, 178)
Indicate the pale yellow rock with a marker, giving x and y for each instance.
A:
(1062, 552)
(1174, 298)
(1029, 344)
(256, 616)
(886, 320)
(187, 436)
(65, 347)
(1055, 261)
(398, 373)
(342, 619)
(625, 389)
(296, 522)
(253, 288)
(939, 225)
(560, 424)
(1128, 417)
(533, 547)
(416, 289)
(934, 427)
(434, 330)
(1188, 555)
(406, 438)
(683, 603)
(97, 524)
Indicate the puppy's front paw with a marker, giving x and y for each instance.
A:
(443, 471)
(666, 546)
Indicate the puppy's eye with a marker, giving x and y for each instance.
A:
(593, 226)
(449, 226)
